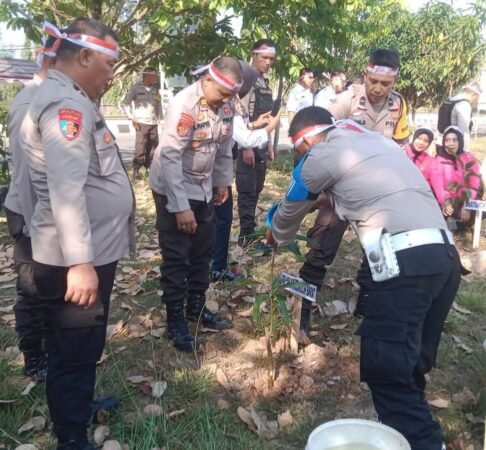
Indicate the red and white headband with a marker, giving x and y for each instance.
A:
(82, 40)
(346, 124)
(310, 131)
(382, 70)
(219, 77)
(264, 48)
(44, 51)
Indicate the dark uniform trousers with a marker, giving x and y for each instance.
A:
(75, 343)
(222, 231)
(400, 334)
(249, 184)
(146, 141)
(324, 239)
(30, 308)
(185, 257)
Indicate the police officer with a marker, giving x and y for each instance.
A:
(143, 106)
(301, 95)
(411, 285)
(193, 156)
(377, 107)
(375, 104)
(251, 163)
(247, 138)
(326, 96)
(82, 221)
(30, 309)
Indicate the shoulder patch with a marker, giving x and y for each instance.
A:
(70, 122)
(185, 124)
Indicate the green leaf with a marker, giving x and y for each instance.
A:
(282, 307)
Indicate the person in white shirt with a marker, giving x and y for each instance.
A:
(301, 95)
(326, 96)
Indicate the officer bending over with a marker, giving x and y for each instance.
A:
(412, 266)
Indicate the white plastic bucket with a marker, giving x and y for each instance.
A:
(356, 434)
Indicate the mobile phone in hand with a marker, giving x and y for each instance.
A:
(275, 108)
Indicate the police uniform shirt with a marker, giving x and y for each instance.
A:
(143, 104)
(194, 153)
(299, 97)
(20, 198)
(391, 120)
(343, 166)
(85, 207)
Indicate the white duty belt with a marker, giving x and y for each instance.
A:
(416, 238)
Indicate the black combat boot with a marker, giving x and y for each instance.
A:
(197, 312)
(177, 329)
(72, 438)
(305, 318)
(35, 365)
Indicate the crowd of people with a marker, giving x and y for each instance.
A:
(71, 211)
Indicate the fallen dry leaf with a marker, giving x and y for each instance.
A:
(245, 416)
(26, 447)
(37, 423)
(223, 404)
(113, 329)
(285, 420)
(12, 352)
(158, 388)
(157, 332)
(460, 309)
(176, 413)
(152, 410)
(464, 398)
(136, 379)
(462, 345)
(340, 326)
(112, 445)
(439, 403)
(335, 308)
(131, 418)
(101, 434)
(222, 379)
(28, 388)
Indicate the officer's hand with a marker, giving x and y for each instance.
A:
(249, 157)
(82, 285)
(186, 221)
(221, 196)
(465, 215)
(270, 240)
(136, 125)
(273, 123)
(262, 120)
(447, 209)
(270, 154)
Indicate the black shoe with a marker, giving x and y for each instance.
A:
(72, 438)
(101, 408)
(136, 173)
(224, 275)
(197, 312)
(305, 318)
(35, 365)
(74, 445)
(177, 329)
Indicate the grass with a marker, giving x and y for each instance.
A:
(192, 385)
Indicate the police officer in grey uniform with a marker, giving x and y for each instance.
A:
(143, 106)
(377, 107)
(411, 285)
(194, 155)
(251, 164)
(30, 309)
(83, 219)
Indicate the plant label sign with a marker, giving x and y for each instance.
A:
(476, 205)
(307, 291)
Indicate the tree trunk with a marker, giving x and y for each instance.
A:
(279, 99)
(96, 9)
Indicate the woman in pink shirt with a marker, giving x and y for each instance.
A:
(455, 177)
(417, 150)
